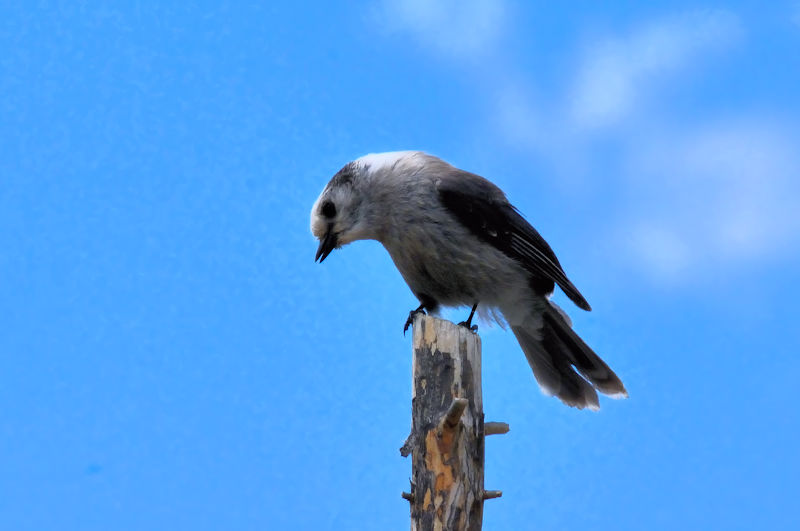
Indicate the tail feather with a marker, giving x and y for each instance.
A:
(583, 358)
(563, 364)
(553, 372)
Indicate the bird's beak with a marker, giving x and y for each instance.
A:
(326, 245)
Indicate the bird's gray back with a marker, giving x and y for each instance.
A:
(438, 256)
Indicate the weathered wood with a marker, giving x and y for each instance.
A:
(495, 428)
(453, 416)
(447, 437)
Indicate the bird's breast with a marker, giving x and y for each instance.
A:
(451, 265)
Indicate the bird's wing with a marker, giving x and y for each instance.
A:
(483, 208)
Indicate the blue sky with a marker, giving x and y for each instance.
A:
(172, 358)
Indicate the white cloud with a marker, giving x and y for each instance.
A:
(702, 196)
(520, 121)
(462, 28)
(661, 249)
(727, 192)
(696, 194)
(616, 73)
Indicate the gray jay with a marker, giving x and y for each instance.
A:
(457, 241)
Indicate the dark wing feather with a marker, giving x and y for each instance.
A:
(483, 208)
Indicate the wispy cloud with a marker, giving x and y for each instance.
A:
(717, 194)
(519, 119)
(659, 247)
(701, 193)
(462, 28)
(616, 74)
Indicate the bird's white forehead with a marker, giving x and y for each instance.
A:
(378, 161)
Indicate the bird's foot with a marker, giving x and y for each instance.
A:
(468, 323)
(468, 326)
(411, 315)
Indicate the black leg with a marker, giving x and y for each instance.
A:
(468, 323)
(411, 315)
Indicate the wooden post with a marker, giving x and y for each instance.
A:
(447, 433)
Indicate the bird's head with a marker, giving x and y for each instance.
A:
(337, 217)
(349, 208)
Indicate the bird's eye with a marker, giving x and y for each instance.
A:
(328, 209)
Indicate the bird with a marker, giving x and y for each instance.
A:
(457, 241)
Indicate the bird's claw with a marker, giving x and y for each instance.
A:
(410, 320)
(465, 324)
(468, 323)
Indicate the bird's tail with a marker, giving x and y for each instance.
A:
(562, 363)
